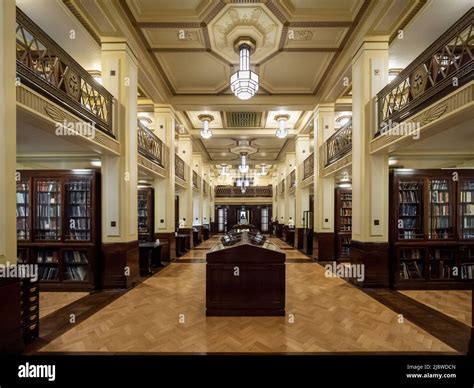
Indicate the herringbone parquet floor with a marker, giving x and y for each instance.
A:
(166, 313)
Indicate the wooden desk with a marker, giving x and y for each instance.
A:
(181, 243)
(150, 256)
(245, 279)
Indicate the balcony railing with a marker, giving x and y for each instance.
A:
(308, 166)
(339, 144)
(293, 179)
(195, 180)
(149, 145)
(44, 66)
(251, 191)
(179, 167)
(444, 66)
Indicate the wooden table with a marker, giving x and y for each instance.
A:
(150, 256)
(181, 243)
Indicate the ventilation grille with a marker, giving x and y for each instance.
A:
(244, 119)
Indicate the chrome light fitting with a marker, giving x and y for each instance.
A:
(243, 168)
(244, 82)
(206, 133)
(282, 132)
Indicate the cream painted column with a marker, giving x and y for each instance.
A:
(185, 152)
(275, 196)
(323, 247)
(197, 166)
(119, 173)
(7, 133)
(165, 188)
(281, 174)
(290, 165)
(301, 194)
(369, 173)
(205, 197)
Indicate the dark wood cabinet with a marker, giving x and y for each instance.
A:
(431, 229)
(58, 226)
(245, 279)
(343, 226)
(146, 214)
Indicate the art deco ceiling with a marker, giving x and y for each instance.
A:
(192, 41)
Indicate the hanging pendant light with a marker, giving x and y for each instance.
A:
(244, 82)
(206, 133)
(282, 132)
(243, 168)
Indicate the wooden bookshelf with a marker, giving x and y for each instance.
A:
(430, 237)
(62, 227)
(343, 227)
(146, 214)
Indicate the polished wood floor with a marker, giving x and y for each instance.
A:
(54, 301)
(166, 313)
(456, 304)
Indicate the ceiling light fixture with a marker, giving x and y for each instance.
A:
(244, 82)
(206, 133)
(282, 132)
(243, 168)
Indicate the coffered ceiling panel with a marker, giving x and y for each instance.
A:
(167, 38)
(268, 142)
(169, 10)
(264, 156)
(291, 72)
(312, 38)
(219, 142)
(197, 124)
(321, 10)
(207, 74)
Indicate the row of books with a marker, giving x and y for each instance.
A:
(441, 184)
(79, 224)
(21, 198)
(467, 185)
(48, 198)
(440, 196)
(346, 204)
(409, 186)
(78, 235)
(23, 234)
(345, 228)
(408, 209)
(142, 213)
(410, 223)
(440, 210)
(48, 223)
(467, 209)
(47, 235)
(75, 257)
(440, 234)
(446, 254)
(78, 211)
(76, 273)
(346, 197)
(47, 256)
(467, 271)
(22, 186)
(440, 223)
(409, 196)
(21, 224)
(78, 198)
(411, 270)
(409, 234)
(48, 273)
(345, 212)
(77, 185)
(468, 222)
(466, 196)
(48, 211)
(441, 270)
(46, 186)
(22, 211)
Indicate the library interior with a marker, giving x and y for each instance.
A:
(233, 176)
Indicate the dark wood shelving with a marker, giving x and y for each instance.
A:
(64, 225)
(146, 214)
(343, 227)
(434, 251)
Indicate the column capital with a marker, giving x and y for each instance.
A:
(324, 108)
(372, 43)
(113, 43)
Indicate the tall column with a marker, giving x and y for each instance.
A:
(205, 201)
(369, 172)
(323, 238)
(7, 134)
(301, 194)
(197, 166)
(165, 217)
(119, 173)
(10, 325)
(281, 174)
(185, 152)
